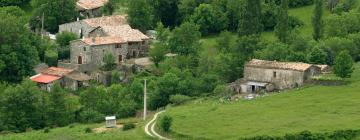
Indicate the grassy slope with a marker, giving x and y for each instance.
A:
(78, 133)
(314, 108)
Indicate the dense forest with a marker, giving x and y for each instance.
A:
(181, 25)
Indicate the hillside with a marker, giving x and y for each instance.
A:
(312, 108)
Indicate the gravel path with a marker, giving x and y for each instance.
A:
(150, 128)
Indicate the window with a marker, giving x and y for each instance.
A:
(120, 58)
(80, 60)
(274, 74)
(118, 46)
(130, 43)
(143, 42)
(84, 49)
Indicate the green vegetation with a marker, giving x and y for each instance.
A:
(313, 108)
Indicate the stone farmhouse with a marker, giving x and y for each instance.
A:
(90, 8)
(67, 78)
(101, 36)
(262, 75)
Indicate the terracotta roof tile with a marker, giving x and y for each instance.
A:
(103, 40)
(44, 78)
(90, 4)
(56, 71)
(298, 66)
(114, 20)
(125, 32)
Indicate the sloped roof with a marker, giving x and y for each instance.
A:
(78, 76)
(298, 66)
(44, 78)
(55, 71)
(103, 40)
(114, 20)
(90, 4)
(125, 32)
(323, 67)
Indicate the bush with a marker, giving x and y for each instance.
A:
(89, 116)
(223, 91)
(297, 3)
(51, 57)
(88, 130)
(128, 126)
(179, 99)
(165, 123)
(47, 130)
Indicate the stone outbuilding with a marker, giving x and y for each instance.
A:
(90, 8)
(262, 75)
(67, 78)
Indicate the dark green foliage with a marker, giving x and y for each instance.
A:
(166, 11)
(108, 8)
(13, 2)
(297, 3)
(209, 19)
(51, 57)
(223, 91)
(17, 55)
(282, 27)
(269, 15)
(88, 130)
(47, 130)
(55, 12)
(165, 123)
(128, 126)
(179, 99)
(140, 14)
(343, 66)
(13, 10)
(184, 39)
(250, 19)
(317, 21)
(337, 44)
(342, 25)
(91, 116)
(317, 56)
(157, 53)
(63, 39)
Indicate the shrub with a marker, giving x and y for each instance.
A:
(89, 115)
(165, 123)
(223, 91)
(179, 99)
(51, 57)
(128, 126)
(47, 130)
(88, 130)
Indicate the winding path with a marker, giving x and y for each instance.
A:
(150, 128)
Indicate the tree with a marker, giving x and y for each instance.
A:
(185, 39)
(343, 65)
(187, 8)
(17, 56)
(157, 54)
(282, 27)
(250, 19)
(108, 8)
(209, 19)
(165, 123)
(55, 12)
(317, 56)
(317, 20)
(51, 57)
(162, 34)
(13, 2)
(109, 62)
(166, 86)
(63, 40)
(166, 11)
(140, 14)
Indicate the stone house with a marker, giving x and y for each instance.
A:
(82, 28)
(67, 78)
(90, 8)
(272, 75)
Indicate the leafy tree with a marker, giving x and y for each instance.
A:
(157, 54)
(165, 123)
(269, 15)
(55, 12)
(140, 14)
(337, 44)
(317, 56)
(224, 41)
(166, 86)
(108, 8)
(13, 2)
(250, 19)
(51, 57)
(17, 56)
(13, 10)
(166, 11)
(317, 20)
(343, 65)
(332, 4)
(162, 34)
(282, 27)
(185, 39)
(274, 51)
(63, 40)
(233, 9)
(342, 25)
(209, 19)
(109, 62)
(187, 8)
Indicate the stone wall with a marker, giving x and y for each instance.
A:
(76, 27)
(282, 79)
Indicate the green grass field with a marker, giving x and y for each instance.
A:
(314, 108)
(78, 133)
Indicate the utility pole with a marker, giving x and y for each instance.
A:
(144, 99)
(42, 26)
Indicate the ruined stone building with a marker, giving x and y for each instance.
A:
(90, 8)
(272, 75)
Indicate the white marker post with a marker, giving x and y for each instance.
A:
(145, 99)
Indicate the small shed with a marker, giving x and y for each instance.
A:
(110, 121)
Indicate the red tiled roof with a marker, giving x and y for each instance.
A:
(44, 78)
(57, 71)
(90, 4)
(113, 20)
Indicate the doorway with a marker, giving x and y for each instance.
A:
(79, 60)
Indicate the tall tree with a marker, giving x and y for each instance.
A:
(282, 27)
(317, 21)
(140, 15)
(250, 19)
(343, 65)
(185, 39)
(209, 19)
(166, 11)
